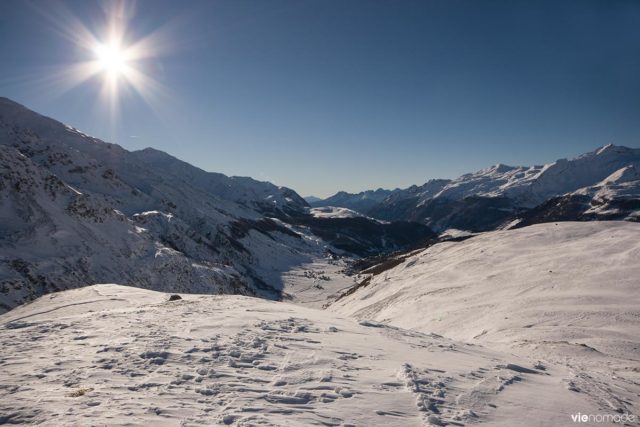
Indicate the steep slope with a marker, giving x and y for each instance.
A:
(146, 216)
(563, 292)
(403, 203)
(136, 181)
(138, 217)
(116, 355)
(55, 237)
(261, 196)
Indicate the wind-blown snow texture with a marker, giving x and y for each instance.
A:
(115, 355)
(567, 293)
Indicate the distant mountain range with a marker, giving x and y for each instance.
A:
(75, 210)
(360, 202)
(602, 184)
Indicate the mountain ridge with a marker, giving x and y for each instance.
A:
(76, 210)
(501, 192)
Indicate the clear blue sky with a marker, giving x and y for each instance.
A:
(328, 95)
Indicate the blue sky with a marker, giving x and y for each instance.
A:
(328, 95)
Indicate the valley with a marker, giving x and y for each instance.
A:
(136, 289)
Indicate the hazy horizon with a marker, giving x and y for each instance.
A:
(329, 96)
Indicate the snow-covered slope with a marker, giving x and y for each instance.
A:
(76, 211)
(335, 212)
(563, 292)
(54, 237)
(263, 196)
(114, 355)
(138, 181)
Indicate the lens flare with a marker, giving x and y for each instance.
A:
(111, 59)
(111, 54)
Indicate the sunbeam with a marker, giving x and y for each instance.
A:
(109, 54)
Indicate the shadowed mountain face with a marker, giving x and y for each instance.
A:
(364, 237)
(75, 210)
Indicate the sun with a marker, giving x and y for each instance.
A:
(114, 57)
(111, 59)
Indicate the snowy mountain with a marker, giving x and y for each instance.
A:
(617, 197)
(495, 196)
(75, 211)
(565, 293)
(116, 355)
(360, 202)
(522, 326)
(261, 196)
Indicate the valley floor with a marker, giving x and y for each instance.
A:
(317, 283)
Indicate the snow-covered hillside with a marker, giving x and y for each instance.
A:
(55, 237)
(524, 326)
(334, 212)
(567, 293)
(76, 211)
(114, 355)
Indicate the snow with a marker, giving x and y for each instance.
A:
(109, 354)
(567, 293)
(335, 212)
(74, 190)
(625, 174)
(540, 322)
(622, 185)
(75, 210)
(453, 233)
(613, 168)
(315, 283)
(530, 186)
(359, 202)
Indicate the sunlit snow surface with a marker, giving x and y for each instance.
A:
(334, 212)
(115, 355)
(567, 293)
